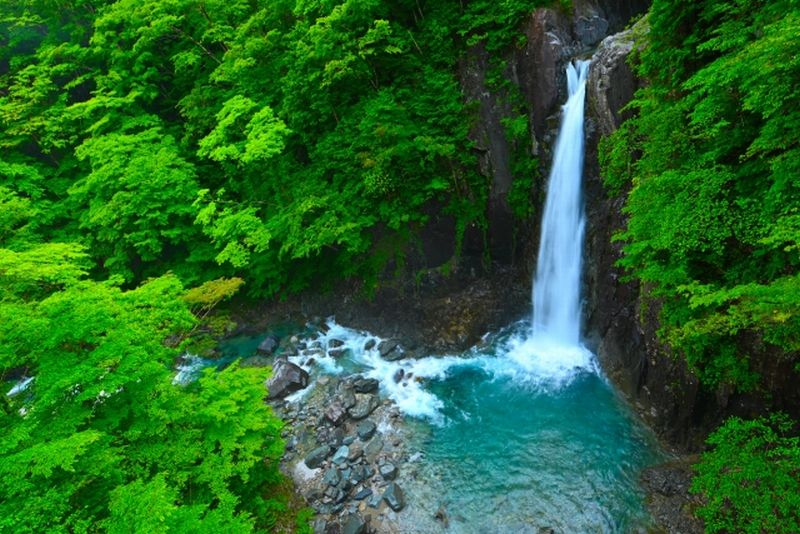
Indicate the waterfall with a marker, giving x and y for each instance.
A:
(556, 286)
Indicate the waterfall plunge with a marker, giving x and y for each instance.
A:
(556, 287)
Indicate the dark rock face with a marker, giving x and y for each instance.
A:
(286, 378)
(317, 456)
(354, 524)
(669, 500)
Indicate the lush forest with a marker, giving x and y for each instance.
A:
(712, 161)
(159, 156)
(155, 155)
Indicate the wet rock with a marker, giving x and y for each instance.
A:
(354, 524)
(269, 345)
(591, 30)
(398, 375)
(336, 495)
(365, 429)
(388, 471)
(394, 497)
(315, 458)
(386, 346)
(335, 343)
(360, 474)
(375, 500)
(286, 378)
(349, 440)
(365, 405)
(369, 345)
(362, 494)
(340, 456)
(332, 477)
(336, 353)
(365, 385)
(336, 413)
(611, 82)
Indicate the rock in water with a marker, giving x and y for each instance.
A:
(315, 458)
(394, 497)
(354, 524)
(286, 378)
(369, 345)
(269, 345)
(335, 343)
(386, 346)
(388, 471)
(365, 430)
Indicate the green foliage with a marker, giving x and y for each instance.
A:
(711, 160)
(750, 479)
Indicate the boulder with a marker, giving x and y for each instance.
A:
(369, 345)
(286, 378)
(398, 375)
(269, 345)
(394, 497)
(365, 385)
(354, 524)
(336, 413)
(335, 343)
(336, 353)
(365, 405)
(388, 471)
(362, 494)
(611, 82)
(332, 477)
(341, 454)
(387, 348)
(315, 458)
(365, 430)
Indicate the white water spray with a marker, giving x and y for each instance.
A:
(556, 287)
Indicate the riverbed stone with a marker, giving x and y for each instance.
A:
(394, 497)
(362, 494)
(340, 456)
(365, 405)
(373, 448)
(388, 471)
(286, 379)
(365, 429)
(369, 345)
(336, 413)
(315, 458)
(365, 385)
(356, 451)
(335, 343)
(354, 524)
(332, 477)
(347, 397)
(398, 375)
(336, 353)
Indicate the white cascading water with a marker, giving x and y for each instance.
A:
(556, 287)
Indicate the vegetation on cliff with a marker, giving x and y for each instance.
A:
(149, 146)
(711, 160)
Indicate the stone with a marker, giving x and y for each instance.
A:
(365, 405)
(362, 494)
(365, 429)
(319, 526)
(369, 345)
(349, 440)
(591, 30)
(354, 524)
(398, 375)
(348, 397)
(335, 343)
(365, 385)
(394, 497)
(388, 471)
(332, 477)
(336, 413)
(315, 458)
(441, 516)
(388, 348)
(269, 345)
(375, 500)
(336, 353)
(611, 83)
(360, 474)
(373, 448)
(286, 379)
(340, 456)
(355, 453)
